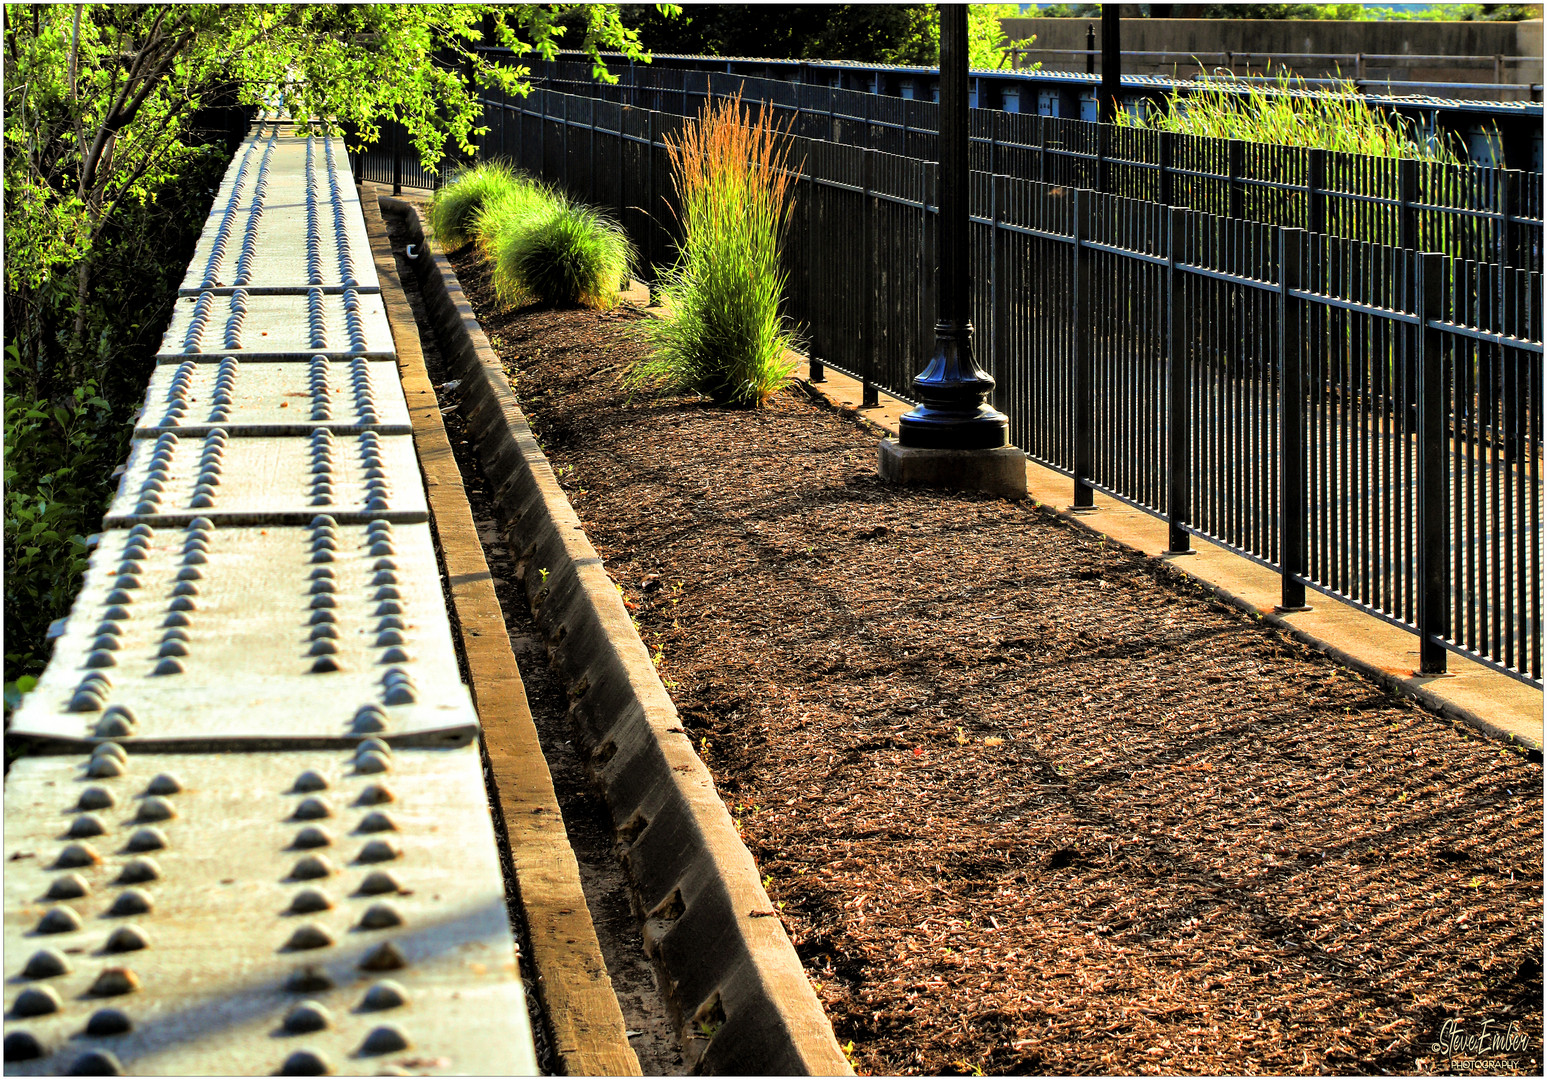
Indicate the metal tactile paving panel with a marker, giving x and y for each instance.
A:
(208, 914)
(286, 217)
(261, 480)
(275, 397)
(292, 326)
(201, 635)
(286, 146)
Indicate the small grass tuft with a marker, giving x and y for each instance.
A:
(564, 254)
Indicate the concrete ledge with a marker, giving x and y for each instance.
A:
(1000, 471)
(727, 964)
(585, 1022)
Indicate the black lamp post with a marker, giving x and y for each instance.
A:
(1111, 65)
(953, 389)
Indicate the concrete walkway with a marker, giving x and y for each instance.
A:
(1503, 707)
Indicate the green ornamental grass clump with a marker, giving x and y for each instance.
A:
(543, 247)
(453, 207)
(564, 254)
(722, 334)
(508, 209)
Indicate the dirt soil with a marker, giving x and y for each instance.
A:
(1028, 802)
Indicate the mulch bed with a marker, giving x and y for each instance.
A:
(1030, 803)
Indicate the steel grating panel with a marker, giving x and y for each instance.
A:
(275, 398)
(207, 914)
(262, 480)
(196, 635)
(277, 327)
(285, 218)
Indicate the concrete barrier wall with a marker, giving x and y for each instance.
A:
(1417, 38)
(726, 963)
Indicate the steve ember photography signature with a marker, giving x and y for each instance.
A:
(1484, 1045)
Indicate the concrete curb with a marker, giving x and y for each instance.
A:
(729, 968)
(1404, 686)
(1394, 683)
(581, 1009)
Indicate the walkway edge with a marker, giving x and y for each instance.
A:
(1409, 687)
(730, 970)
(579, 1004)
(1402, 687)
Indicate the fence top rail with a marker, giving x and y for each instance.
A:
(797, 68)
(865, 105)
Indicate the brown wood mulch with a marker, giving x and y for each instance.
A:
(1028, 802)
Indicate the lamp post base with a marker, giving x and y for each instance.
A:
(999, 470)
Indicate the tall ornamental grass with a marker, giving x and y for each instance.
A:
(722, 334)
(564, 254)
(453, 207)
(1286, 113)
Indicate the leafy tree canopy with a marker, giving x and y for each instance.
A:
(98, 97)
(905, 34)
(870, 33)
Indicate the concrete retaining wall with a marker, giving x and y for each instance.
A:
(1417, 38)
(727, 964)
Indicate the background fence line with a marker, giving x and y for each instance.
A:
(1361, 418)
(1468, 211)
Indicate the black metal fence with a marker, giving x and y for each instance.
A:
(1362, 418)
(393, 160)
(1469, 212)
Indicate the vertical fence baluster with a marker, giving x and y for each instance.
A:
(1236, 206)
(1292, 440)
(564, 110)
(397, 158)
(1316, 192)
(998, 266)
(1041, 148)
(868, 393)
(1505, 196)
(1433, 501)
(814, 277)
(1084, 404)
(1407, 199)
(652, 209)
(1179, 500)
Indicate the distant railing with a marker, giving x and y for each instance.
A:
(1466, 211)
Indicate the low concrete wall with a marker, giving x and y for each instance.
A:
(726, 962)
(1417, 38)
(585, 1023)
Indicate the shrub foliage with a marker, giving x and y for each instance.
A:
(545, 248)
(455, 207)
(566, 254)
